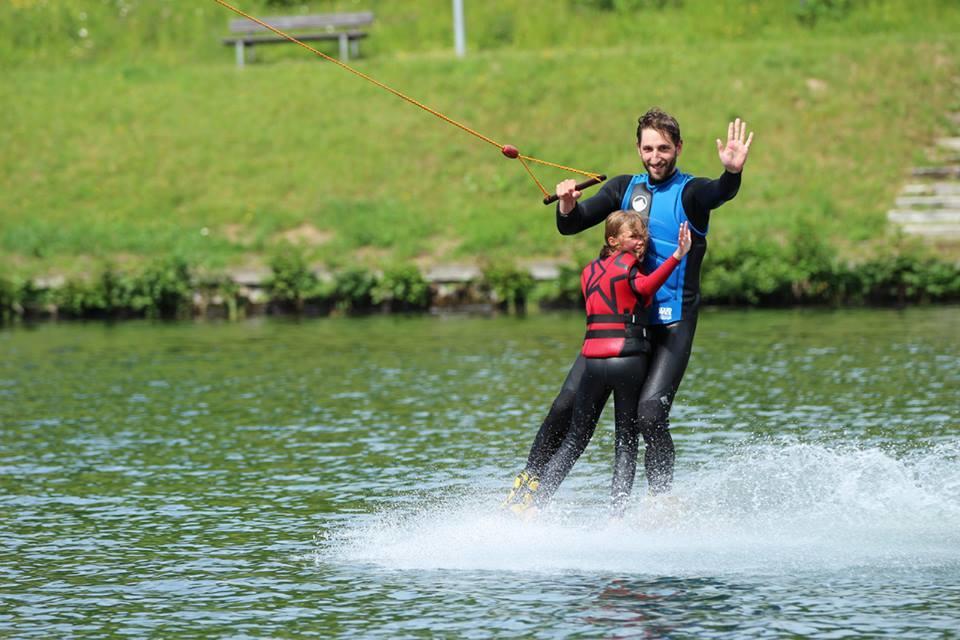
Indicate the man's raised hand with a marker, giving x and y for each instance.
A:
(733, 155)
(568, 195)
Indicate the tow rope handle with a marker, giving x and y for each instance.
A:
(580, 187)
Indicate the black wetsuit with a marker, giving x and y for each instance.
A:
(671, 343)
(623, 377)
(616, 350)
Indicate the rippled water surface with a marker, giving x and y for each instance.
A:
(341, 477)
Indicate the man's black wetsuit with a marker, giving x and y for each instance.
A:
(671, 343)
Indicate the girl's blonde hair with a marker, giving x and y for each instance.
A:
(615, 222)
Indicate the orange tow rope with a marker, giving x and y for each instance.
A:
(507, 150)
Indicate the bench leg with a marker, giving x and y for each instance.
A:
(238, 48)
(344, 50)
(355, 48)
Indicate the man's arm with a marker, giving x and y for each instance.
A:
(701, 195)
(593, 210)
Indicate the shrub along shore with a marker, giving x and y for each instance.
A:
(804, 272)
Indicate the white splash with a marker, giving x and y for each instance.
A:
(771, 507)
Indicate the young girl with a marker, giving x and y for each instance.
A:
(616, 354)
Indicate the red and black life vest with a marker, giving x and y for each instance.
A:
(616, 321)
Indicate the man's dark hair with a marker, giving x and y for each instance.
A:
(661, 121)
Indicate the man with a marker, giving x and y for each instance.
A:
(669, 197)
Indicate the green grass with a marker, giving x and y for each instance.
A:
(52, 32)
(148, 146)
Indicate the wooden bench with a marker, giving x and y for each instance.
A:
(342, 27)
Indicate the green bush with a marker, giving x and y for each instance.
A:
(8, 299)
(508, 284)
(353, 289)
(762, 272)
(810, 12)
(31, 298)
(748, 273)
(942, 281)
(902, 278)
(220, 289)
(806, 271)
(402, 288)
(292, 283)
(118, 291)
(564, 291)
(814, 264)
(80, 299)
(112, 294)
(162, 290)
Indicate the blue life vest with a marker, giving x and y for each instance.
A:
(664, 206)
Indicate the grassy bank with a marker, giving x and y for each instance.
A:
(53, 33)
(130, 155)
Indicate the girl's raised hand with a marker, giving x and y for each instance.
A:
(684, 242)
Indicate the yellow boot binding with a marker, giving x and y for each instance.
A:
(519, 484)
(523, 504)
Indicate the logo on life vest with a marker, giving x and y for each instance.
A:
(639, 203)
(666, 313)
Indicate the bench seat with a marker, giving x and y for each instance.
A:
(254, 34)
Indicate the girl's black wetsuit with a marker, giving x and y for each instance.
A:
(614, 353)
(671, 344)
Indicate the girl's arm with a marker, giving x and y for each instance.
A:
(646, 286)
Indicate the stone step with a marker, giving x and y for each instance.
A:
(250, 277)
(453, 273)
(539, 271)
(444, 273)
(945, 171)
(937, 231)
(932, 189)
(900, 216)
(929, 202)
(949, 143)
(544, 271)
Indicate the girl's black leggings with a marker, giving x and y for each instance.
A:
(668, 358)
(600, 377)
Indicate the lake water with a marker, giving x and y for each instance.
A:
(341, 477)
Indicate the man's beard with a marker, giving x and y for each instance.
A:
(668, 169)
